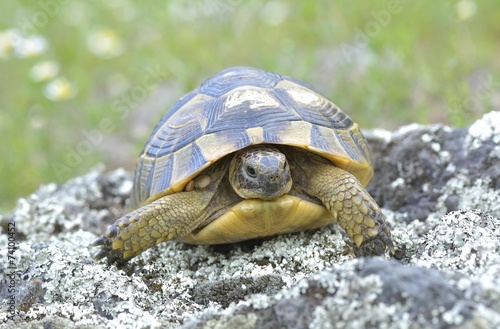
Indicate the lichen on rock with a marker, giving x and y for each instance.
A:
(438, 186)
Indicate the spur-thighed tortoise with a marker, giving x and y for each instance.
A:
(249, 154)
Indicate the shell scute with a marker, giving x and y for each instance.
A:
(234, 77)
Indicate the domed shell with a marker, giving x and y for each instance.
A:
(238, 107)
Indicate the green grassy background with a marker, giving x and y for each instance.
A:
(386, 63)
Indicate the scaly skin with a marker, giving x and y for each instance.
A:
(357, 213)
(167, 218)
(348, 201)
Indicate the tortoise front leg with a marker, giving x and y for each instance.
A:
(348, 201)
(169, 217)
(356, 211)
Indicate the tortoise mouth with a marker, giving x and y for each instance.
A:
(272, 190)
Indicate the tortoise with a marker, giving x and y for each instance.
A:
(249, 154)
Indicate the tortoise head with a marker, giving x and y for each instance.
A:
(260, 172)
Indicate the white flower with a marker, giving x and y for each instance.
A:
(8, 40)
(31, 46)
(59, 89)
(43, 71)
(465, 9)
(105, 43)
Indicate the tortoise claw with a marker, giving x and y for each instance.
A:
(101, 254)
(375, 246)
(112, 256)
(98, 242)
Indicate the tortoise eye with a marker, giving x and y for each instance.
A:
(251, 171)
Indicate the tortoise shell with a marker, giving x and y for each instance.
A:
(238, 107)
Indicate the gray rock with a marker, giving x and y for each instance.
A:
(433, 167)
(439, 188)
(359, 294)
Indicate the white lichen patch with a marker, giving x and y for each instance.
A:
(465, 242)
(279, 255)
(378, 134)
(486, 128)
(404, 130)
(38, 215)
(471, 195)
(258, 301)
(346, 285)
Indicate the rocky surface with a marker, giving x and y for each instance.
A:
(438, 186)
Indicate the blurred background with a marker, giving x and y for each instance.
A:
(85, 82)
